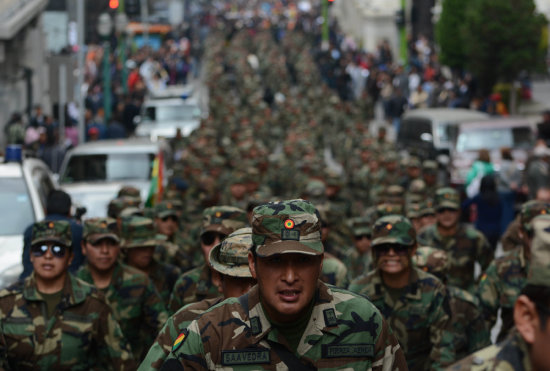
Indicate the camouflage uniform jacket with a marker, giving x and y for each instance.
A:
(468, 327)
(420, 318)
(500, 286)
(241, 337)
(466, 247)
(81, 335)
(136, 304)
(171, 253)
(164, 277)
(194, 285)
(174, 326)
(511, 239)
(358, 264)
(511, 354)
(334, 271)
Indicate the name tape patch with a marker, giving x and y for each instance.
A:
(245, 357)
(290, 234)
(347, 350)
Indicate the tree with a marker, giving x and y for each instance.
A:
(501, 39)
(449, 33)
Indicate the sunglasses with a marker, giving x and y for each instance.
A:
(58, 251)
(444, 209)
(170, 217)
(209, 237)
(361, 236)
(401, 250)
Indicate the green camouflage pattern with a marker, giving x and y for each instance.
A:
(357, 263)
(393, 229)
(447, 197)
(315, 188)
(168, 208)
(431, 260)
(138, 231)
(120, 203)
(386, 209)
(334, 271)
(463, 249)
(232, 335)
(531, 209)
(164, 277)
(129, 191)
(429, 166)
(413, 210)
(420, 318)
(361, 225)
(192, 286)
(511, 238)
(499, 287)
(427, 207)
(290, 226)
(230, 257)
(52, 231)
(97, 228)
(82, 334)
(539, 267)
(468, 327)
(174, 326)
(223, 219)
(136, 304)
(509, 355)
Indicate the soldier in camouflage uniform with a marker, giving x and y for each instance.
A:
(200, 283)
(468, 327)
(502, 282)
(414, 302)
(463, 243)
(526, 347)
(289, 320)
(136, 304)
(358, 258)
(230, 259)
(54, 321)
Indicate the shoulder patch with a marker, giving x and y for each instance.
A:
(179, 340)
(255, 325)
(330, 317)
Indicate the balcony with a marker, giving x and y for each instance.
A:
(16, 14)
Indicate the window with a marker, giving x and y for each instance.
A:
(112, 167)
(14, 196)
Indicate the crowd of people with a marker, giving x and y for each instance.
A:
(221, 273)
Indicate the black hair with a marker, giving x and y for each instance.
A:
(59, 202)
(540, 295)
(253, 251)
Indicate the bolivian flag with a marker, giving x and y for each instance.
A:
(157, 175)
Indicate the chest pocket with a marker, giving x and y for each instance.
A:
(18, 333)
(418, 333)
(76, 337)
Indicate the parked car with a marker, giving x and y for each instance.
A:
(162, 117)
(24, 189)
(518, 134)
(431, 132)
(92, 173)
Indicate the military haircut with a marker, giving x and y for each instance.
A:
(540, 296)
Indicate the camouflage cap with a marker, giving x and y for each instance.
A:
(96, 229)
(429, 166)
(417, 186)
(391, 156)
(413, 162)
(223, 219)
(432, 260)
(531, 209)
(539, 265)
(388, 209)
(131, 211)
(230, 257)
(118, 204)
(138, 231)
(447, 197)
(395, 229)
(361, 225)
(315, 188)
(52, 231)
(427, 207)
(413, 210)
(130, 191)
(283, 227)
(168, 208)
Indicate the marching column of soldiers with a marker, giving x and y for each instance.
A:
(288, 237)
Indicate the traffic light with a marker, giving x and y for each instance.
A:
(113, 4)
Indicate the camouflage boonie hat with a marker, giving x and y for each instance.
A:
(98, 228)
(283, 227)
(539, 265)
(168, 208)
(223, 219)
(52, 231)
(361, 226)
(130, 191)
(531, 209)
(431, 260)
(394, 229)
(230, 257)
(447, 197)
(138, 231)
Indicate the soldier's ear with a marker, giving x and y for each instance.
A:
(526, 318)
(252, 265)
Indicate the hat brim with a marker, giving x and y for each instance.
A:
(50, 239)
(238, 270)
(448, 205)
(362, 231)
(153, 242)
(393, 240)
(93, 238)
(289, 247)
(217, 228)
(164, 214)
